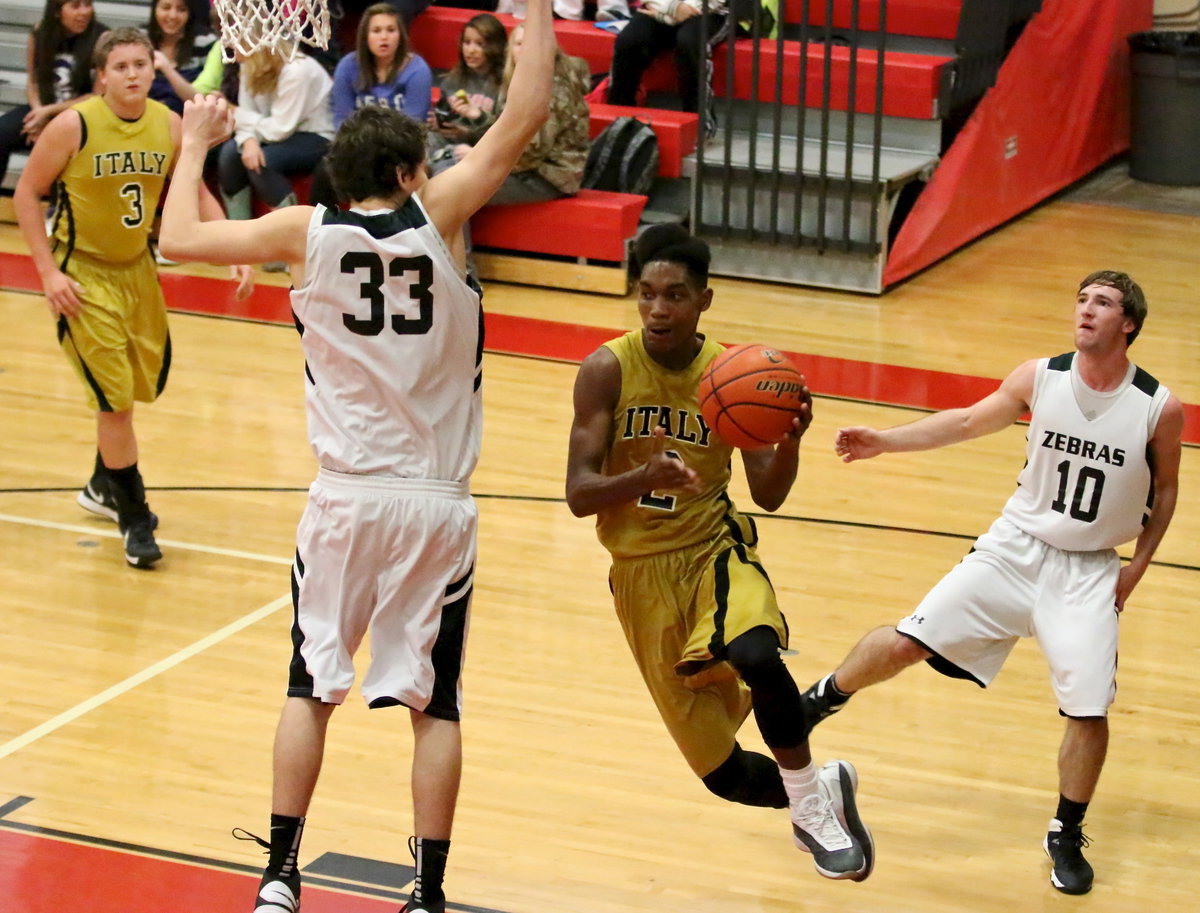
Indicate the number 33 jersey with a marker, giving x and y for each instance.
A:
(393, 346)
(1087, 483)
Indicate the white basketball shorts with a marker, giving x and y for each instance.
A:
(395, 558)
(1011, 586)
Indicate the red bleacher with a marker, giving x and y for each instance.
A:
(594, 224)
(926, 18)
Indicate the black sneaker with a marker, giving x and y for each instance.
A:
(278, 895)
(96, 497)
(822, 700)
(141, 551)
(1072, 874)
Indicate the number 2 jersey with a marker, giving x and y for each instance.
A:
(653, 395)
(393, 346)
(1087, 483)
(109, 190)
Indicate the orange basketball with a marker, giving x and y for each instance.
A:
(749, 395)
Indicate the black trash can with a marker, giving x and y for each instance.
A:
(1164, 143)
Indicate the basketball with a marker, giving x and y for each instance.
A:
(749, 395)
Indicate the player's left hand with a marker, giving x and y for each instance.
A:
(1127, 579)
(801, 422)
(243, 275)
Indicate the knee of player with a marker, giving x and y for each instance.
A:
(906, 650)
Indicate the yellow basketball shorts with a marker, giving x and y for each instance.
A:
(678, 610)
(118, 344)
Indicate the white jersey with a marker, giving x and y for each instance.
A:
(393, 347)
(1086, 484)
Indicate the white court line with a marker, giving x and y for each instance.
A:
(150, 672)
(146, 674)
(170, 543)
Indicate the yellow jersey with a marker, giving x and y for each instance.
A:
(653, 395)
(110, 188)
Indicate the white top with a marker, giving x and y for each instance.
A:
(299, 104)
(393, 345)
(1086, 484)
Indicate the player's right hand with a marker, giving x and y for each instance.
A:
(666, 472)
(62, 294)
(857, 443)
(209, 118)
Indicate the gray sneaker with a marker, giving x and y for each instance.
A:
(839, 781)
(816, 829)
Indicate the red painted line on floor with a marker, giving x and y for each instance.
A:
(827, 376)
(40, 874)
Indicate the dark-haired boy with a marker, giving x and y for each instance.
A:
(391, 328)
(1102, 467)
(691, 595)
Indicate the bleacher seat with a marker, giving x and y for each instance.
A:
(595, 225)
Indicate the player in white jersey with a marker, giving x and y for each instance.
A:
(392, 335)
(1102, 468)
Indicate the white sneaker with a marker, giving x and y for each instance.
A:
(816, 829)
(838, 780)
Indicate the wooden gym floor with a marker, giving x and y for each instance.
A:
(138, 708)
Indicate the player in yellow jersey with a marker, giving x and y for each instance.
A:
(692, 597)
(109, 157)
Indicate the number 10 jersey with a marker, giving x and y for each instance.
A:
(393, 346)
(1087, 483)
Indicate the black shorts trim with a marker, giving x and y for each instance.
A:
(939, 663)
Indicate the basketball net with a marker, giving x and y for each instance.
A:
(249, 25)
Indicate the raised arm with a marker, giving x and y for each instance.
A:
(951, 426)
(279, 235)
(1164, 453)
(453, 196)
(589, 490)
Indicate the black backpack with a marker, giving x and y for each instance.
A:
(623, 158)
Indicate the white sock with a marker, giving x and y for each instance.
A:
(799, 784)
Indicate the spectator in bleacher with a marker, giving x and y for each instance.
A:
(552, 164)
(469, 92)
(283, 128)
(182, 62)
(381, 70)
(58, 72)
(666, 25)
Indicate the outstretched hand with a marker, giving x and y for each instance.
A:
(665, 472)
(243, 275)
(857, 443)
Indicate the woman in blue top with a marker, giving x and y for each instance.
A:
(381, 70)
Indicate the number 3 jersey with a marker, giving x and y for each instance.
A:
(393, 346)
(109, 189)
(1087, 483)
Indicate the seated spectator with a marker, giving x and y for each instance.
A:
(469, 91)
(662, 25)
(552, 164)
(58, 72)
(283, 127)
(380, 71)
(183, 63)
